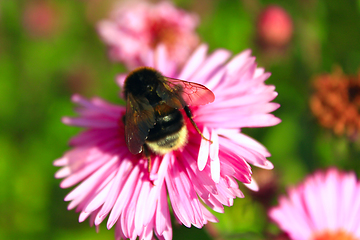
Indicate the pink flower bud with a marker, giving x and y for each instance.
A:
(40, 19)
(275, 27)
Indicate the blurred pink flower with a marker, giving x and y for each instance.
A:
(114, 182)
(274, 26)
(41, 19)
(136, 28)
(325, 206)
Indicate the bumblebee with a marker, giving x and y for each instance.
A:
(153, 121)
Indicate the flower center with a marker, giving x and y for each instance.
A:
(162, 32)
(338, 235)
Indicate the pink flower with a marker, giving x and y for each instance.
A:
(325, 206)
(41, 19)
(113, 182)
(135, 29)
(275, 27)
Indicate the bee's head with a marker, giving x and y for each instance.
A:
(143, 81)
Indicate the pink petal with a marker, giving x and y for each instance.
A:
(194, 62)
(203, 150)
(214, 157)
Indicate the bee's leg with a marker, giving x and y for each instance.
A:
(190, 116)
(147, 154)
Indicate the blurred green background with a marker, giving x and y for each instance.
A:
(41, 66)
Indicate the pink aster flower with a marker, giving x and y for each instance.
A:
(325, 206)
(115, 183)
(134, 29)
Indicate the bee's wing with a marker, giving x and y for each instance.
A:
(139, 119)
(189, 93)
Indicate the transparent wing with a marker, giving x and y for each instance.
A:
(139, 119)
(190, 93)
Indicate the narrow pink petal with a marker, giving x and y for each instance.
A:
(329, 192)
(215, 60)
(213, 202)
(240, 78)
(234, 186)
(350, 205)
(117, 184)
(203, 150)
(124, 197)
(237, 109)
(294, 221)
(107, 31)
(99, 199)
(206, 191)
(178, 196)
(63, 172)
(78, 176)
(301, 214)
(258, 120)
(243, 140)
(225, 196)
(214, 157)
(241, 99)
(234, 80)
(88, 194)
(87, 123)
(120, 79)
(83, 216)
(153, 197)
(73, 159)
(354, 220)
(141, 205)
(119, 234)
(234, 164)
(162, 62)
(163, 220)
(289, 220)
(253, 186)
(251, 156)
(60, 162)
(194, 62)
(239, 60)
(208, 215)
(316, 210)
(91, 181)
(95, 137)
(201, 180)
(127, 218)
(259, 71)
(214, 81)
(149, 59)
(147, 232)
